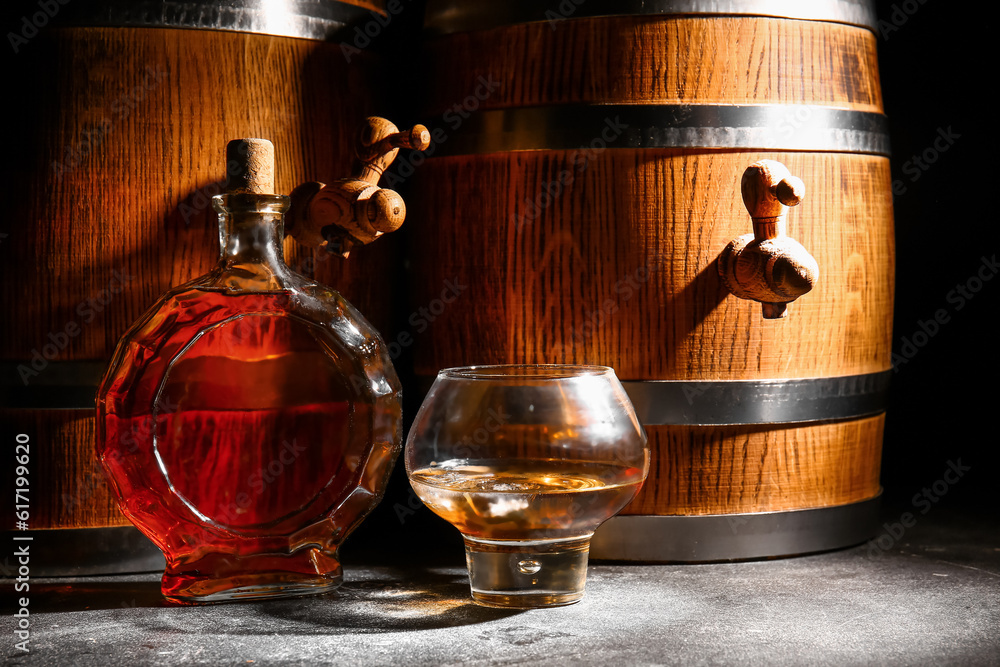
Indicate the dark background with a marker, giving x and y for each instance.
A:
(938, 73)
(935, 71)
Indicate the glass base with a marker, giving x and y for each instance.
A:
(252, 578)
(527, 574)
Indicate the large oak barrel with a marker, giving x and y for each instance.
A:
(124, 111)
(585, 179)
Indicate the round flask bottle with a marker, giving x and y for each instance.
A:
(250, 419)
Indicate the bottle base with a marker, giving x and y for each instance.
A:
(220, 578)
(235, 589)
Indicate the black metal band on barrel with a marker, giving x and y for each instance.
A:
(304, 19)
(39, 384)
(707, 403)
(796, 127)
(716, 537)
(450, 16)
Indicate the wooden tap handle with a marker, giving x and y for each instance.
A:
(355, 210)
(416, 138)
(768, 188)
(768, 266)
(378, 143)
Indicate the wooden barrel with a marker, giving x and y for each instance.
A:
(124, 111)
(584, 180)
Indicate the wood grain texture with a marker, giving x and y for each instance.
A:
(68, 489)
(659, 60)
(355, 211)
(119, 137)
(610, 257)
(124, 132)
(736, 469)
(619, 268)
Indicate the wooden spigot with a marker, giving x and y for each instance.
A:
(354, 211)
(768, 266)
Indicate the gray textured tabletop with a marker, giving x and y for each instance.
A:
(933, 598)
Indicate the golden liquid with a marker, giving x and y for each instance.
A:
(526, 500)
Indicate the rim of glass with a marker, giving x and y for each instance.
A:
(524, 371)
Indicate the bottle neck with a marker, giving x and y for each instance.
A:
(251, 232)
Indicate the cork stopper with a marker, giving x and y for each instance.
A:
(250, 167)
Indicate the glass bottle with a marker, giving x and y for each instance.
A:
(250, 419)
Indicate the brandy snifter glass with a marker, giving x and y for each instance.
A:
(526, 461)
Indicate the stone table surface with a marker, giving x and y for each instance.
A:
(931, 597)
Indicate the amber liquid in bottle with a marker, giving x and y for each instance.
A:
(249, 421)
